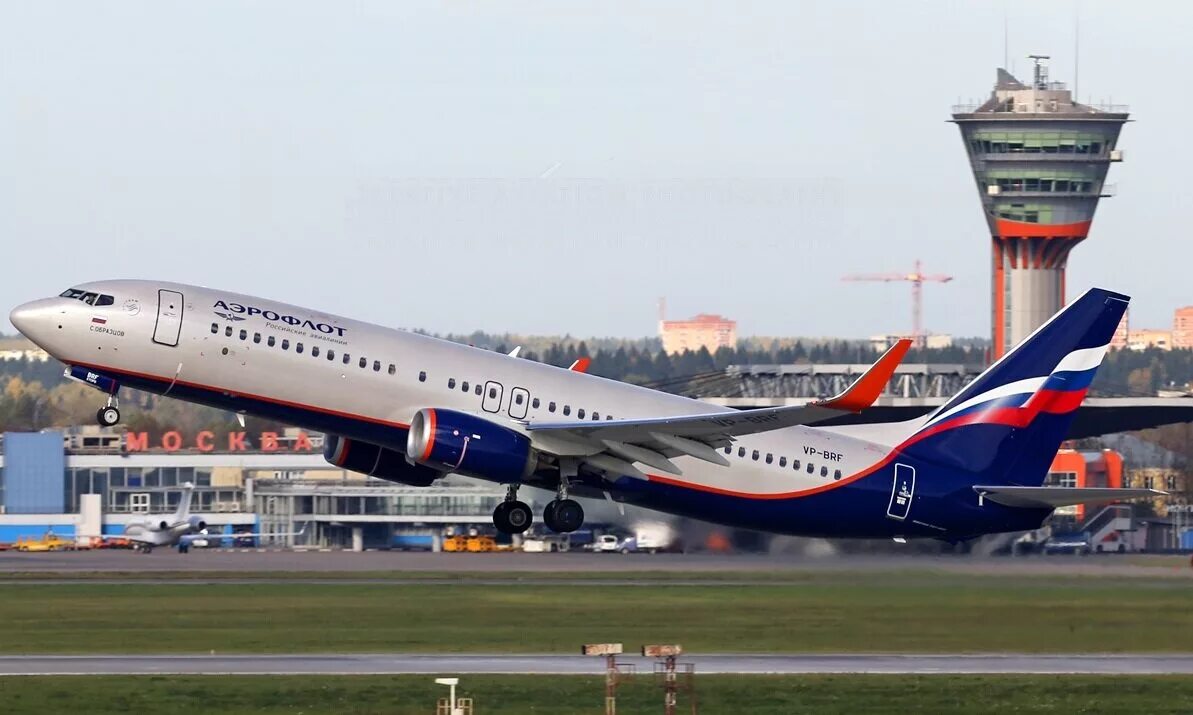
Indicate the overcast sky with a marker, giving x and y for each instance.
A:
(556, 167)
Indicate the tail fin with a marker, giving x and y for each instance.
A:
(184, 504)
(1006, 425)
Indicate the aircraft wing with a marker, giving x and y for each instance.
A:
(1046, 497)
(651, 440)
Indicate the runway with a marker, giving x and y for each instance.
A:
(413, 664)
(274, 565)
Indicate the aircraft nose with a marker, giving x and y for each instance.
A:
(28, 316)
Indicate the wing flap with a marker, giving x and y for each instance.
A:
(1052, 497)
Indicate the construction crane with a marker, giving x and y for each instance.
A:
(917, 279)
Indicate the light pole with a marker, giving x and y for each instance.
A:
(451, 703)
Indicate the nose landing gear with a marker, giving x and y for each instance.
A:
(109, 415)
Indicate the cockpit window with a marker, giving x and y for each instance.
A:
(96, 299)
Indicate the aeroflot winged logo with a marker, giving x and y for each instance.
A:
(236, 311)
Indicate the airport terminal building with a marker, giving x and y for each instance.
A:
(89, 483)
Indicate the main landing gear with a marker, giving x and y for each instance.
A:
(512, 516)
(563, 515)
(109, 415)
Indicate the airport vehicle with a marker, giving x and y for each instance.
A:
(609, 544)
(547, 544)
(48, 542)
(409, 408)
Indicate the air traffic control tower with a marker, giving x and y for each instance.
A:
(1039, 159)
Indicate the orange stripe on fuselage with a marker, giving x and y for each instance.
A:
(430, 447)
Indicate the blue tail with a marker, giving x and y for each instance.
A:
(1006, 426)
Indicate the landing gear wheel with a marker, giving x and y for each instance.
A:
(512, 517)
(564, 516)
(107, 416)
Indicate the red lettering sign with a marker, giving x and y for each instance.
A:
(203, 441)
(136, 441)
(269, 441)
(236, 442)
(172, 441)
(302, 443)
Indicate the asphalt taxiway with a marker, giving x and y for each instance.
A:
(542, 664)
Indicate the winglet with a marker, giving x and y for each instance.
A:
(866, 389)
(581, 365)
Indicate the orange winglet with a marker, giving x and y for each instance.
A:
(581, 365)
(866, 389)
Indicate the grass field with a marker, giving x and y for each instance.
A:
(518, 695)
(838, 612)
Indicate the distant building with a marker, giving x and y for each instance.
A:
(1145, 338)
(884, 342)
(1085, 468)
(704, 331)
(1182, 327)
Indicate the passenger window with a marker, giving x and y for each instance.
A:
(535, 403)
(477, 390)
(741, 451)
(770, 458)
(285, 344)
(228, 331)
(346, 358)
(105, 300)
(376, 366)
(451, 383)
(393, 369)
(492, 393)
(755, 455)
(782, 461)
(550, 407)
(608, 417)
(271, 341)
(422, 377)
(795, 464)
(215, 328)
(315, 351)
(244, 334)
(836, 474)
(518, 398)
(256, 338)
(331, 355)
(580, 413)
(363, 362)
(567, 409)
(464, 386)
(596, 416)
(824, 471)
(811, 469)
(298, 348)
(728, 449)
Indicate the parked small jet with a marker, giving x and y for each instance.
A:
(410, 408)
(178, 529)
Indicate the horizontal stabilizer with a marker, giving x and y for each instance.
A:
(1051, 497)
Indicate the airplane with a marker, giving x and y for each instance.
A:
(410, 408)
(178, 529)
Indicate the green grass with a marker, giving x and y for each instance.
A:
(887, 612)
(519, 695)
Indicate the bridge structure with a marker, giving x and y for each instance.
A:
(916, 389)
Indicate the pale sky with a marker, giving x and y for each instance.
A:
(555, 167)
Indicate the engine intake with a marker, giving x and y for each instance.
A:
(467, 444)
(375, 461)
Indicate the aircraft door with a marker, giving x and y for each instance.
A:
(902, 492)
(169, 318)
(519, 402)
(492, 399)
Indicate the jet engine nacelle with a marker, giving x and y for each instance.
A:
(467, 444)
(387, 464)
(197, 524)
(163, 526)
